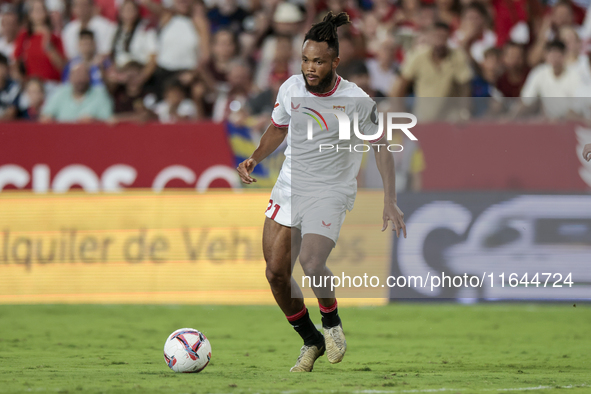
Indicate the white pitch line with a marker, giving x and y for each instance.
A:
(450, 389)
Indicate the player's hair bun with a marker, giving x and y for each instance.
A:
(326, 31)
(336, 20)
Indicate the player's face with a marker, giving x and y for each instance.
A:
(318, 66)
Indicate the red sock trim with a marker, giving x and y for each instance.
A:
(328, 309)
(298, 315)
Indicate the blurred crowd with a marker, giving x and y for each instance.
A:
(179, 60)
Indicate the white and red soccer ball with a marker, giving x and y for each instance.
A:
(187, 350)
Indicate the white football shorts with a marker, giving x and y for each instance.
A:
(323, 215)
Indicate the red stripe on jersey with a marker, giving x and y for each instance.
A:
(276, 105)
(281, 126)
(336, 85)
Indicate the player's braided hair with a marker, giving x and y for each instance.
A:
(326, 31)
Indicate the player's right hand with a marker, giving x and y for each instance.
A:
(587, 152)
(245, 169)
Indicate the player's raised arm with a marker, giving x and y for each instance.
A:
(270, 141)
(385, 163)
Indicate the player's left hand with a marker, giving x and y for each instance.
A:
(395, 215)
(245, 169)
(587, 152)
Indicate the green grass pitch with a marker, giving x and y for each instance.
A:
(398, 348)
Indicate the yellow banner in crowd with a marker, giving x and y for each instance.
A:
(172, 247)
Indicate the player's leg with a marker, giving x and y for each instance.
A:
(314, 253)
(279, 243)
(278, 246)
(321, 223)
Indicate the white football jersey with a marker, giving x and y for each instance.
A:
(311, 166)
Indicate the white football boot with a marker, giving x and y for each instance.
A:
(308, 355)
(336, 345)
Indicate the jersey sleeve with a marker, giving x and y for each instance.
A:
(280, 117)
(368, 119)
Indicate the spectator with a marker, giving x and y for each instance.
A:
(373, 33)
(585, 31)
(515, 72)
(384, 11)
(359, 75)
(78, 101)
(37, 48)
(130, 96)
(183, 40)
(175, 107)
(282, 67)
(199, 97)
(484, 83)
(227, 15)
(233, 98)
(420, 41)
(224, 48)
(287, 21)
(9, 92)
(103, 29)
(511, 20)
(8, 30)
(427, 17)
(108, 8)
(474, 35)
(448, 12)
(88, 55)
(407, 16)
(348, 54)
(382, 68)
(56, 9)
(128, 89)
(561, 15)
(35, 93)
(134, 41)
(553, 79)
(259, 106)
(569, 36)
(437, 71)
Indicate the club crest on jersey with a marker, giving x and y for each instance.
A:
(339, 107)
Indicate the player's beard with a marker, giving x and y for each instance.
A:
(323, 84)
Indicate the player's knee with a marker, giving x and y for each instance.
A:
(277, 278)
(312, 265)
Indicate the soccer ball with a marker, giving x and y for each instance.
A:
(187, 350)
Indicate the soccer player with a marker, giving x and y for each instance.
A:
(305, 219)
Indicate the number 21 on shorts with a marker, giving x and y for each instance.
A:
(276, 209)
